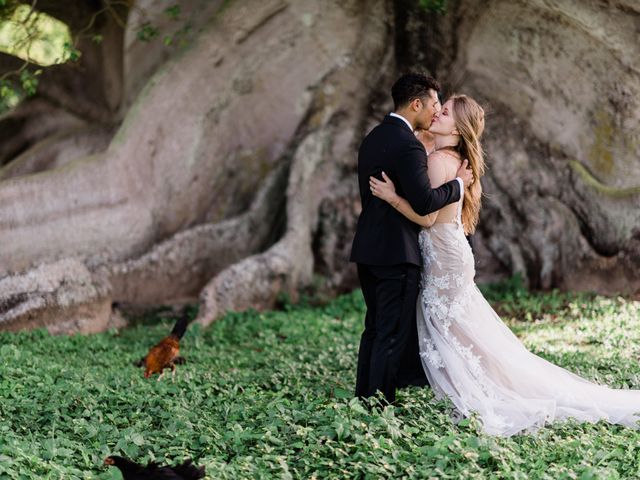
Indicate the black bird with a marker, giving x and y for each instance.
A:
(133, 471)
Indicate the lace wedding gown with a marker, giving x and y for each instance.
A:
(471, 356)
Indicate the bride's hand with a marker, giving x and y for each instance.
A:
(383, 189)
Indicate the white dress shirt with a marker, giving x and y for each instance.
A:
(394, 114)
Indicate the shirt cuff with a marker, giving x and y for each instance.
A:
(461, 185)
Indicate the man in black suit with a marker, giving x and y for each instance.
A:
(385, 246)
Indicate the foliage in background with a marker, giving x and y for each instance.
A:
(435, 6)
(35, 37)
(269, 395)
(41, 40)
(12, 93)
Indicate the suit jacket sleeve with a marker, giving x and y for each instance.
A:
(412, 175)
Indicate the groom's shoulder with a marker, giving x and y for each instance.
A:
(395, 124)
(391, 128)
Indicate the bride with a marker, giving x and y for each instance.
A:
(468, 353)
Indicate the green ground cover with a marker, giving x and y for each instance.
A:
(268, 395)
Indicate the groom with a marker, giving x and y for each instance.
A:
(385, 246)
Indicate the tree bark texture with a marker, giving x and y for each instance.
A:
(226, 171)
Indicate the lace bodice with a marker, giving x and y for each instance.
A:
(446, 239)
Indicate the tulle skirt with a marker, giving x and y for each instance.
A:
(473, 358)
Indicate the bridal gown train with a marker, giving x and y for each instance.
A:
(471, 356)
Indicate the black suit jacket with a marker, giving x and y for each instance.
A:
(383, 235)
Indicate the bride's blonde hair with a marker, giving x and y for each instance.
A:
(469, 119)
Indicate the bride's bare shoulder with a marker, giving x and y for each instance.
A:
(444, 161)
(444, 156)
(436, 155)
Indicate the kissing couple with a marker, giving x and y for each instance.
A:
(427, 322)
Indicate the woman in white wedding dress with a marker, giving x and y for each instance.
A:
(468, 353)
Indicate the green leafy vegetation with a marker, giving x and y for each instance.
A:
(269, 395)
(41, 40)
(435, 6)
(34, 36)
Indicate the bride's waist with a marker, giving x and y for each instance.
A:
(443, 226)
(448, 244)
(451, 221)
(443, 230)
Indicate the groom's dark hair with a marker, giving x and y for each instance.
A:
(410, 86)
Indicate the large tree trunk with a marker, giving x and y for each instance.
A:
(232, 176)
(563, 83)
(193, 151)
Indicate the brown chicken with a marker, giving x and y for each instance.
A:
(166, 353)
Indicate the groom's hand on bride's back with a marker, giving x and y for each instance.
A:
(465, 173)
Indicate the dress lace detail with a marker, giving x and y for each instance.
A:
(471, 356)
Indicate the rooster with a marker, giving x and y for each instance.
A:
(133, 471)
(166, 353)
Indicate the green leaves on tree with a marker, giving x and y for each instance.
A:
(434, 6)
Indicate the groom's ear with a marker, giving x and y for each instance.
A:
(416, 104)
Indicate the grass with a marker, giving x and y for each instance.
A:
(269, 395)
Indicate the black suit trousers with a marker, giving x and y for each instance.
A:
(388, 357)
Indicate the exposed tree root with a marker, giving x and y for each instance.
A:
(256, 281)
(57, 150)
(62, 296)
(31, 122)
(179, 266)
